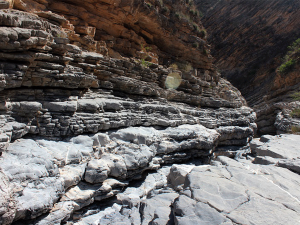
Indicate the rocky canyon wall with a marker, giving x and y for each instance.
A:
(92, 95)
(169, 30)
(249, 41)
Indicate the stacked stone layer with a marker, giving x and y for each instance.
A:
(77, 126)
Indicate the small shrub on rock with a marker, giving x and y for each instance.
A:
(295, 113)
(287, 66)
(295, 130)
(296, 96)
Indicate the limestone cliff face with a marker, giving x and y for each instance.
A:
(77, 125)
(249, 40)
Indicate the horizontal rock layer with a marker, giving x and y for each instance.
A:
(77, 126)
(84, 169)
(250, 40)
(227, 191)
(45, 85)
(163, 31)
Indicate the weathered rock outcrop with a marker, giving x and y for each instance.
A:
(227, 191)
(249, 40)
(281, 150)
(77, 126)
(154, 30)
(53, 88)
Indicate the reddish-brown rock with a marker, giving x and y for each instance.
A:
(249, 40)
(170, 31)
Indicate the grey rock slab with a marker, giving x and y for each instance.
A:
(7, 202)
(96, 218)
(25, 160)
(33, 176)
(217, 191)
(192, 137)
(234, 132)
(116, 164)
(132, 196)
(82, 194)
(157, 210)
(74, 151)
(287, 184)
(135, 156)
(84, 144)
(38, 198)
(74, 155)
(139, 135)
(285, 146)
(271, 182)
(61, 212)
(114, 105)
(192, 132)
(165, 147)
(97, 171)
(242, 192)
(189, 212)
(18, 129)
(72, 174)
(26, 107)
(178, 175)
(123, 217)
(70, 106)
(293, 165)
(63, 152)
(182, 132)
(101, 139)
(259, 210)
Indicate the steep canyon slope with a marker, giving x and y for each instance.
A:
(92, 95)
(249, 41)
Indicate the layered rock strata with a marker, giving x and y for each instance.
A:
(278, 116)
(281, 150)
(78, 126)
(250, 40)
(228, 191)
(52, 88)
(163, 31)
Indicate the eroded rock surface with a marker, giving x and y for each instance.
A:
(77, 127)
(281, 150)
(152, 30)
(227, 191)
(250, 41)
(71, 174)
(53, 88)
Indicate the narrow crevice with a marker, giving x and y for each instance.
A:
(233, 221)
(243, 203)
(231, 175)
(286, 206)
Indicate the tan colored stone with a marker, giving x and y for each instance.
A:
(29, 5)
(137, 23)
(6, 4)
(86, 30)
